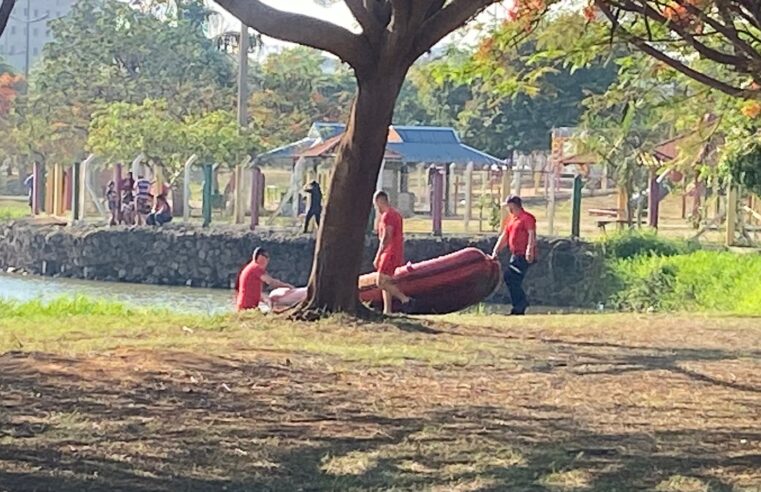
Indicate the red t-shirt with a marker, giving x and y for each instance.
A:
(395, 246)
(250, 287)
(518, 227)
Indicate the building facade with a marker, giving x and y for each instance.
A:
(28, 30)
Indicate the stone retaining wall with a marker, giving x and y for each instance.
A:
(178, 255)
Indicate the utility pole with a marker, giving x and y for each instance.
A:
(243, 48)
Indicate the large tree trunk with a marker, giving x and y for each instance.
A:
(341, 238)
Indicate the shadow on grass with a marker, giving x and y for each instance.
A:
(182, 422)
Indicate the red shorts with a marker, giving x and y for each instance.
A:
(387, 265)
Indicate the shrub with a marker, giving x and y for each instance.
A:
(631, 244)
(699, 281)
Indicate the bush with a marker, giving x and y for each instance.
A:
(700, 281)
(631, 244)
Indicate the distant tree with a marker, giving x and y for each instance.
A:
(295, 88)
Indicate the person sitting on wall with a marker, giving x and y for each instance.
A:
(251, 280)
(162, 211)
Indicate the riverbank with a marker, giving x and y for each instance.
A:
(101, 397)
(179, 255)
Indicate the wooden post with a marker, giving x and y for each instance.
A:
(468, 214)
(68, 188)
(551, 205)
(456, 195)
(653, 200)
(731, 213)
(438, 200)
(208, 191)
(505, 191)
(576, 213)
(257, 190)
(36, 188)
(604, 180)
(74, 196)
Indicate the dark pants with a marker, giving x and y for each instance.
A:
(516, 272)
(312, 213)
(158, 219)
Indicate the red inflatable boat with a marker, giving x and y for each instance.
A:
(442, 285)
(439, 286)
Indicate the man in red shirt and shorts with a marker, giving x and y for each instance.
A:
(251, 280)
(390, 251)
(519, 234)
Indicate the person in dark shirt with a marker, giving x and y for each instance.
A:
(315, 204)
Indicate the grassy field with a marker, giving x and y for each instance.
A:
(99, 397)
(13, 209)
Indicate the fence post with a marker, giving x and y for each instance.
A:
(653, 201)
(551, 204)
(37, 175)
(208, 178)
(576, 216)
(74, 197)
(438, 200)
(256, 195)
(731, 212)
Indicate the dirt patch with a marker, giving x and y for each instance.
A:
(548, 412)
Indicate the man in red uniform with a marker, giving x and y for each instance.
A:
(390, 251)
(251, 279)
(519, 234)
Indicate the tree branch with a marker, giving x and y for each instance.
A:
(371, 28)
(448, 19)
(301, 29)
(677, 65)
(5, 13)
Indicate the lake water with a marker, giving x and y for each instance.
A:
(182, 299)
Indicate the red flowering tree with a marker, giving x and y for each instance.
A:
(715, 42)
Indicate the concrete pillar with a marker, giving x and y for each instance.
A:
(186, 187)
(468, 214)
(551, 207)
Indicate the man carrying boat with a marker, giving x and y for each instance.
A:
(390, 254)
(519, 235)
(251, 280)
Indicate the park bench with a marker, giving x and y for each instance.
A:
(608, 216)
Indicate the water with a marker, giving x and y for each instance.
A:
(181, 299)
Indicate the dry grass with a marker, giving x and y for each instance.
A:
(610, 402)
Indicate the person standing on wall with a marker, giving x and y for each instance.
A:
(390, 254)
(314, 192)
(519, 235)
